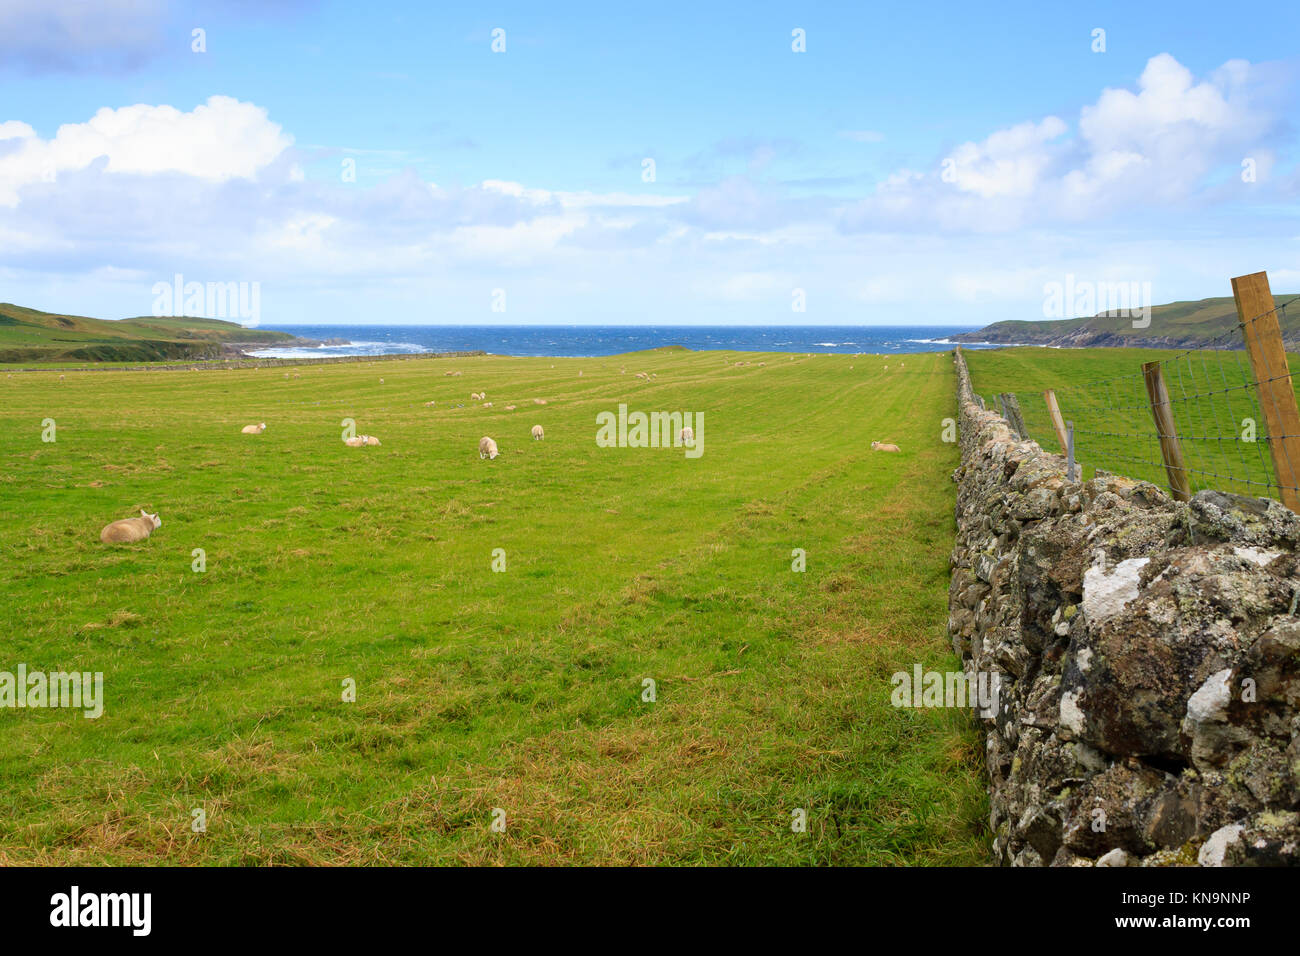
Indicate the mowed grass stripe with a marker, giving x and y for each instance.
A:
(477, 690)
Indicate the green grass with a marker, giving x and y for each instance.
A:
(30, 336)
(1102, 391)
(476, 690)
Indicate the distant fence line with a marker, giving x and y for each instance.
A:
(1218, 415)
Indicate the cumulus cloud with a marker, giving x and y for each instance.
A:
(219, 140)
(1158, 144)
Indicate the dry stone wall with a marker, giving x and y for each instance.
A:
(1148, 654)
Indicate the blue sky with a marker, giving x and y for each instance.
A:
(779, 176)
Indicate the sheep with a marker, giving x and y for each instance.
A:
(356, 441)
(130, 529)
(539, 401)
(510, 408)
(538, 433)
(487, 404)
(370, 439)
(427, 404)
(487, 448)
(883, 446)
(253, 429)
(686, 436)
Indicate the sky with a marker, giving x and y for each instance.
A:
(670, 163)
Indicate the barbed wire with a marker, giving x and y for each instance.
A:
(1213, 399)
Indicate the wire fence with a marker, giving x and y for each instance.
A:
(1215, 390)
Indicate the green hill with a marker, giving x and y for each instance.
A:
(1175, 325)
(28, 335)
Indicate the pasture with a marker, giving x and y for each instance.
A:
(478, 690)
(1214, 404)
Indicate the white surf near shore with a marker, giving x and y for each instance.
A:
(332, 351)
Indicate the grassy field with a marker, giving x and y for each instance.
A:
(520, 690)
(1102, 391)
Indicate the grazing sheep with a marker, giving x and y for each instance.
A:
(538, 433)
(685, 435)
(60, 378)
(579, 373)
(253, 429)
(487, 448)
(427, 404)
(130, 529)
(539, 401)
(883, 446)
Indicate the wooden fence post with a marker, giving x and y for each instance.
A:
(1170, 450)
(1259, 326)
(1011, 412)
(1054, 412)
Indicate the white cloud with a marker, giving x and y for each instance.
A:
(1157, 145)
(219, 140)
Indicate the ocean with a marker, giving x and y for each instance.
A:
(587, 340)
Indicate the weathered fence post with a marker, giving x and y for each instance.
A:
(1069, 452)
(1054, 412)
(1259, 326)
(1170, 449)
(1011, 412)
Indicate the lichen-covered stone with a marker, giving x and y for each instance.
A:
(1150, 704)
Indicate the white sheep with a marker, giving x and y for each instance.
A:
(884, 446)
(370, 439)
(253, 429)
(685, 436)
(538, 433)
(487, 404)
(539, 401)
(130, 529)
(487, 448)
(510, 408)
(356, 441)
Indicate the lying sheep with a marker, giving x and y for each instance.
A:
(538, 433)
(253, 429)
(883, 446)
(130, 529)
(510, 408)
(539, 401)
(487, 448)
(487, 404)
(476, 396)
(370, 439)
(356, 441)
